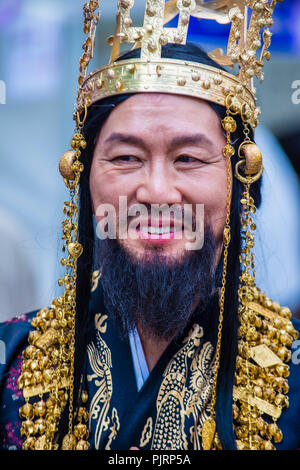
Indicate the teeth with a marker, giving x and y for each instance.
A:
(156, 230)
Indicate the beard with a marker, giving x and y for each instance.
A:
(158, 292)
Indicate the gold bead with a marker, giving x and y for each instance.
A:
(40, 408)
(258, 7)
(56, 411)
(261, 425)
(278, 436)
(37, 377)
(48, 375)
(65, 165)
(228, 150)
(128, 21)
(69, 442)
(218, 80)
(82, 445)
(33, 336)
(80, 431)
(196, 76)
(272, 429)
(181, 81)
(258, 391)
(27, 428)
(206, 84)
(286, 339)
(163, 40)
(119, 85)
(75, 249)
(150, 11)
(27, 377)
(26, 411)
(131, 68)
(280, 399)
(50, 403)
(282, 353)
(83, 414)
(285, 312)
(229, 124)
(111, 74)
(29, 444)
(34, 366)
(40, 426)
(29, 351)
(282, 370)
(44, 362)
(267, 445)
(84, 396)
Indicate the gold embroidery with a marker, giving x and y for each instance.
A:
(101, 364)
(99, 323)
(178, 400)
(147, 432)
(114, 428)
(95, 280)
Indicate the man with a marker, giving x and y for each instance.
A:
(175, 347)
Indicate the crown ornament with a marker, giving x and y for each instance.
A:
(248, 43)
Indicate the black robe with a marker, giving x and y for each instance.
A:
(170, 408)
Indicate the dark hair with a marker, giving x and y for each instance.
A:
(97, 115)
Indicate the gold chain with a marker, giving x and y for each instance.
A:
(226, 240)
(209, 426)
(73, 313)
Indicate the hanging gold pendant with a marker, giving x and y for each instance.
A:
(69, 442)
(208, 433)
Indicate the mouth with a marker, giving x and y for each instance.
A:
(159, 230)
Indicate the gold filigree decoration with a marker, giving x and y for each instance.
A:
(248, 46)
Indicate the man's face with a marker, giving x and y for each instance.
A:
(158, 149)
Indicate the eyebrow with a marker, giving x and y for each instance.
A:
(117, 137)
(179, 141)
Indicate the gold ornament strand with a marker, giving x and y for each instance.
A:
(265, 335)
(209, 426)
(48, 365)
(76, 434)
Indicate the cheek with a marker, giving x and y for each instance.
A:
(107, 187)
(211, 190)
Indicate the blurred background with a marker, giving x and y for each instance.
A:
(40, 48)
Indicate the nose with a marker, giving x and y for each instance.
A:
(159, 186)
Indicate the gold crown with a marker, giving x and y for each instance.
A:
(249, 33)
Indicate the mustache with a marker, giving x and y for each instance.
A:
(163, 215)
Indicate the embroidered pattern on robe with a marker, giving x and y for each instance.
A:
(185, 390)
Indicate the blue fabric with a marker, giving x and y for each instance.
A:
(139, 361)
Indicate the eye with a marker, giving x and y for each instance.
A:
(186, 159)
(125, 159)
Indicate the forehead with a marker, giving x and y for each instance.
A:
(162, 113)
